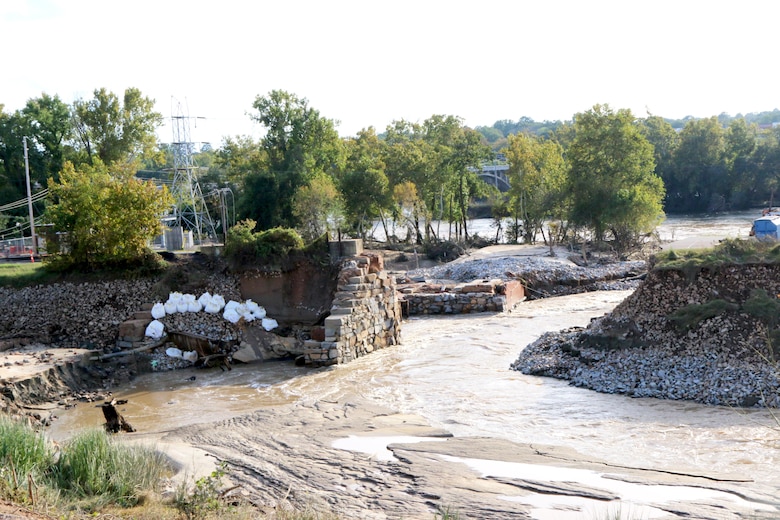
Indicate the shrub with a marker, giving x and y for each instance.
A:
(271, 247)
(277, 242)
(109, 216)
(206, 496)
(445, 251)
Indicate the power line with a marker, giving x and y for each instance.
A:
(23, 202)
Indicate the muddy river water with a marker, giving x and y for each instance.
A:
(454, 372)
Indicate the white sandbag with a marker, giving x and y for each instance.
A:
(232, 304)
(269, 323)
(174, 296)
(170, 307)
(219, 300)
(231, 315)
(173, 352)
(188, 298)
(194, 306)
(251, 306)
(181, 306)
(259, 313)
(212, 307)
(248, 316)
(158, 311)
(204, 298)
(155, 329)
(190, 356)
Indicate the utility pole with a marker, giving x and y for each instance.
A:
(29, 199)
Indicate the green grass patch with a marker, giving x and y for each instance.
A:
(94, 466)
(22, 274)
(57, 268)
(686, 318)
(729, 251)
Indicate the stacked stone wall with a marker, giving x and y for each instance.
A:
(365, 316)
(480, 296)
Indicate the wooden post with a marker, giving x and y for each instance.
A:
(114, 420)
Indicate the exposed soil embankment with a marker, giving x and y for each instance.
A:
(84, 318)
(703, 336)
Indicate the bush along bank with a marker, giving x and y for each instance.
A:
(706, 333)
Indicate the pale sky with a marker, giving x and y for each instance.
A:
(366, 63)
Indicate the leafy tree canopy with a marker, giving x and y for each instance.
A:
(114, 130)
(109, 216)
(611, 177)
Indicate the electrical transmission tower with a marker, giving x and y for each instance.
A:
(191, 212)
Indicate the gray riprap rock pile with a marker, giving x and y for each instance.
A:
(71, 315)
(637, 350)
(543, 276)
(88, 315)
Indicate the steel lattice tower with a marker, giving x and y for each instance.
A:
(191, 212)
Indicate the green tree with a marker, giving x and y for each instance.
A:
(240, 156)
(408, 206)
(407, 157)
(109, 216)
(318, 207)
(460, 152)
(12, 178)
(700, 170)
(767, 174)
(299, 143)
(537, 176)
(49, 122)
(741, 144)
(611, 180)
(440, 157)
(364, 152)
(365, 189)
(366, 196)
(114, 130)
(259, 199)
(665, 141)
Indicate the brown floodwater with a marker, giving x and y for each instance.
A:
(454, 371)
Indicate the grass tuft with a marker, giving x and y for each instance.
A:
(93, 465)
(24, 454)
(686, 318)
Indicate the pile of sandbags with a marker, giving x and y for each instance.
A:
(232, 311)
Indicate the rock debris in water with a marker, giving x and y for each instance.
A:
(637, 350)
(544, 276)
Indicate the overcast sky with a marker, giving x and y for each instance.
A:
(366, 63)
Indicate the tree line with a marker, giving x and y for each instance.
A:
(606, 175)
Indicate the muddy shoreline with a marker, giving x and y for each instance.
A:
(287, 454)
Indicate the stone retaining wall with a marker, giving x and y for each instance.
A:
(478, 296)
(365, 316)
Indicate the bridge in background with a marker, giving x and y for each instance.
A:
(495, 175)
